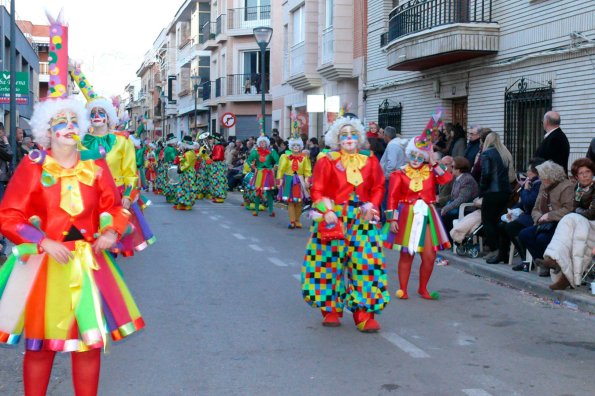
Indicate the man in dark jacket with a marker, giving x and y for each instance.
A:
(473, 145)
(555, 144)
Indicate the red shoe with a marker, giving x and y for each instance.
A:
(176, 207)
(365, 321)
(254, 213)
(331, 319)
(272, 214)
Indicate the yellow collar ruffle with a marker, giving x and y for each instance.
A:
(353, 163)
(417, 176)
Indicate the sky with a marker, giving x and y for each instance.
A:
(109, 37)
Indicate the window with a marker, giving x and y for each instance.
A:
(524, 107)
(329, 14)
(389, 114)
(297, 17)
(257, 9)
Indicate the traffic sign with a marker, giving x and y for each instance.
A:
(228, 120)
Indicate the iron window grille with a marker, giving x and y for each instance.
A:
(390, 113)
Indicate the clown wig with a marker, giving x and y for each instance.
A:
(103, 103)
(263, 139)
(46, 110)
(331, 138)
(295, 141)
(412, 147)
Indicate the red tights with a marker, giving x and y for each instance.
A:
(428, 256)
(37, 367)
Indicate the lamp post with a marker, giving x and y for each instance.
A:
(263, 36)
(197, 80)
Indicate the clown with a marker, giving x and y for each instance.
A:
(186, 188)
(293, 179)
(344, 267)
(167, 156)
(413, 221)
(217, 171)
(262, 160)
(203, 182)
(61, 287)
(150, 166)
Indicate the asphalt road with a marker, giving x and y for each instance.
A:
(220, 294)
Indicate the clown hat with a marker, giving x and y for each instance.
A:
(93, 100)
(170, 138)
(423, 142)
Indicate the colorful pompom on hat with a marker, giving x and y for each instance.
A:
(423, 142)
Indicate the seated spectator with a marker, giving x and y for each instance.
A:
(464, 190)
(494, 187)
(519, 217)
(445, 189)
(555, 200)
(569, 252)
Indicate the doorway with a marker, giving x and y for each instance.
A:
(459, 112)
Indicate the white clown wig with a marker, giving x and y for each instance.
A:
(411, 147)
(292, 142)
(43, 113)
(331, 138)
(263, 139)
(103, 103)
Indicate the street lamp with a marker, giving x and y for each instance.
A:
(263, 36)
(197, 80)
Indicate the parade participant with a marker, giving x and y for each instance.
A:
(150, 168)
(262, 161)
(218, 170)
(61, 288)
(166, 160)
(186, 188)
(293, 179)
(139, 152)
(344, 264)
(415, 224)
(203, 182)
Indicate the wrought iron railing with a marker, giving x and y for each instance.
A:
(418, 15)
(247, 84)
(220, 24)
(206, 90)
(249, 17)
(297, 59)
(220, 87)
(328, 49)
(207, 32)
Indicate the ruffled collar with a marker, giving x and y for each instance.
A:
(106, 141)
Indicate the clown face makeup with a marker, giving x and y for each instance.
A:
(64, 128)
(296, 149)
(262, 144)
(416, 159)
(98, 117)
(348, 138)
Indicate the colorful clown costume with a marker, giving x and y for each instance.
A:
(63, 307)
(294, 173)
(203, 183)
(186, 188)
(263, 160)
(218, 175)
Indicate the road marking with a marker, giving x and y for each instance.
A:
(256, 247)
(465, 339)
(225, 226)
(476, 392)
(214, 218)
(404, 345)
(298, 277)
(239, 236)
(277, 262)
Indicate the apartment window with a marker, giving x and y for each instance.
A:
(389, 114)
(299, 25)
(329, 14)
(257, 9)
(204, 68)
(525, 103)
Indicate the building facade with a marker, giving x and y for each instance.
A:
(499, 64)
(322, 44)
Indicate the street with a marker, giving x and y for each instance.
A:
(220, 294)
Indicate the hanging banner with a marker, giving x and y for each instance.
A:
(22, 87)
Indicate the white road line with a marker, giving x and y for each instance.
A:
(277, 262)
(476, 392)
(256, 247)
(239, 236)
(298, 277)
(255, 239)
(465, 339)
(225, 226)
(404, 345)
(215, 218)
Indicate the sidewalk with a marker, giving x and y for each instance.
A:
(578, 299)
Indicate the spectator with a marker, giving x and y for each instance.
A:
(569, 252)
(555, 144)
(441, 145)
(591, 151)
(5, 159)
(282, 147)
(445, 189)
(314, 149)
(476, 164)
(494, 186)
(519, 217)
(458, 141)
(473, 144)
(247, 86)
(394, 154)
(554, 201)
(464, 190)
(376, 143)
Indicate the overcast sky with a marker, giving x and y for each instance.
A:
(110, 37)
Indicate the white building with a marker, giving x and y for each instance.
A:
(500, 64)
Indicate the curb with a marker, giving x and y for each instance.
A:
(574, 299)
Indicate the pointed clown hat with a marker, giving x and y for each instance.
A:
(423, 142)
(93, 100)
(57, 99)
(295, 139)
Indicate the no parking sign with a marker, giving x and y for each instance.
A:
(228, 120)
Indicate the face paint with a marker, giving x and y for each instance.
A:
(348, 138)
(98, 116)
(296, 148)
(65, 125)
(416, 159)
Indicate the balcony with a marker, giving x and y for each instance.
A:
(298, 77)
(44, 72)
(241, 21)
(246, 87)
(185, 55)
(427, 33)
(207, 36)
(327, 45)
(221, 29)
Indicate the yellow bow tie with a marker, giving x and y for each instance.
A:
(352, 164)
(417, 177)
(84, 172)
